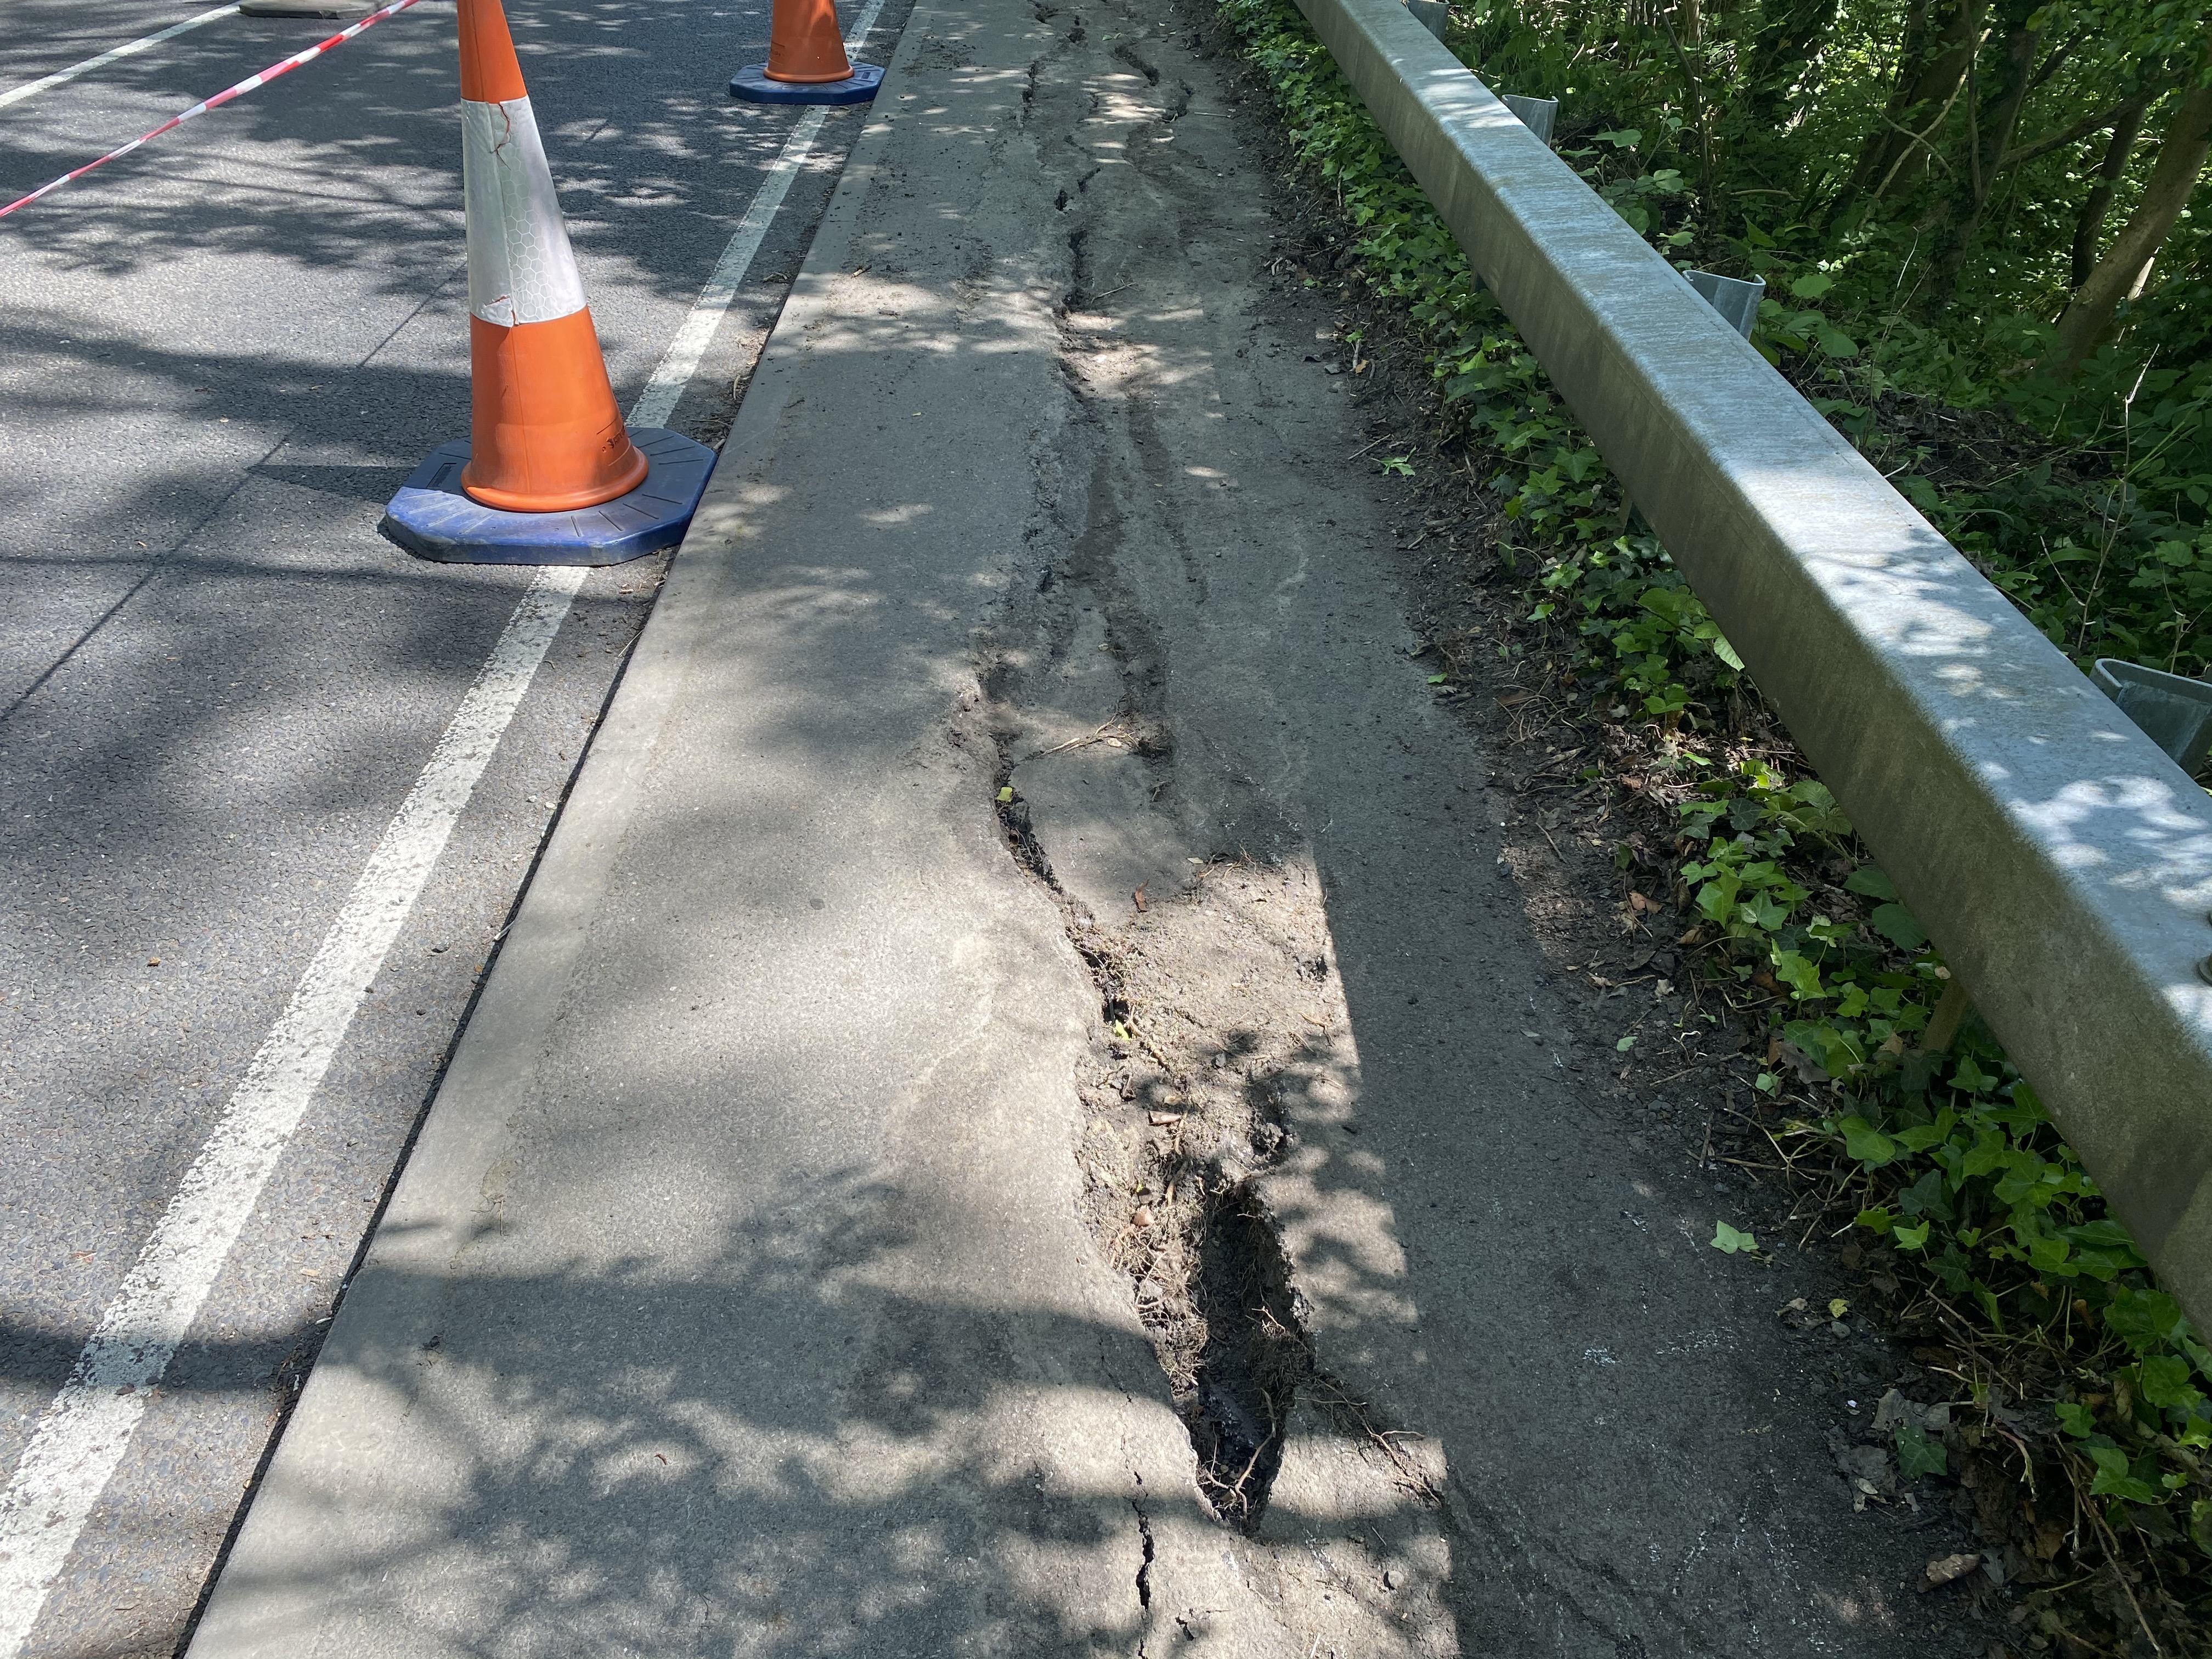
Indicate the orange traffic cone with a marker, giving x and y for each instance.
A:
(804, 46)
(807, 61)
(545, 435)
(549, 474)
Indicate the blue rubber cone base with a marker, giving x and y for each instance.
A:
(433, 519)
(751, 83)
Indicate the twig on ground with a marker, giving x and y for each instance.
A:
(1099, 736)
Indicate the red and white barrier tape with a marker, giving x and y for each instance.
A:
(218, 101)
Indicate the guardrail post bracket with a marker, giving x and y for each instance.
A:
(1735, 299)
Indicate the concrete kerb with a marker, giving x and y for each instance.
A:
(2060, 859)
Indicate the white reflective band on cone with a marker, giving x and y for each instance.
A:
(520, 268)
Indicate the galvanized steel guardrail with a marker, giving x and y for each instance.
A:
(2061, 861)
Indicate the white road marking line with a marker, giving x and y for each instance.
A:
(82, 1436)
(252, 82)
(681, 361)
(32, 88)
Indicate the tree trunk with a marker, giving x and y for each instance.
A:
(1940, 38)
(1993, 116)
(2115, 277)
(1791, 33)
(2089, 227)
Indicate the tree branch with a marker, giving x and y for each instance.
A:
(2181, 157)
(2100, 122)
(2058, 57)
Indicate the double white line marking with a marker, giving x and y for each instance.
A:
(81, 1436)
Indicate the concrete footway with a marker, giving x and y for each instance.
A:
(761, 1281)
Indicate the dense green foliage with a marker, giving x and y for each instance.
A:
(1903, 304)
(1768, 145)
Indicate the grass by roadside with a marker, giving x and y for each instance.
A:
(2076, 1422)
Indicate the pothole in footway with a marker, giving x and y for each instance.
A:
(1180, 1127)
(1213, 1004)
(1253, 1355)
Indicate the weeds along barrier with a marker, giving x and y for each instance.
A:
(2061, 861)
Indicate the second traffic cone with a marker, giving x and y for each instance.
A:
(807, 61)
(544, 432)
(804, 44)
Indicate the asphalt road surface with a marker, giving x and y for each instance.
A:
(218, 685)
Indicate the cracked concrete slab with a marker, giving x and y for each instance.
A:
(1086, 766)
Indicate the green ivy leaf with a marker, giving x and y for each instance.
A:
(2049, 1255)
(2144, 1319)
(2115, 1478)
(1895, 923)
(1869, 880)
(1972, 1078)
(1866, 1143)
(1729, 1241)
(1922, 1136)
(2106, 1235)
(2163, 1380)
(1918, 1454)
(1799, 974)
